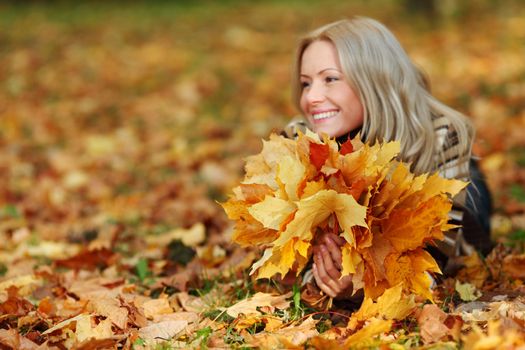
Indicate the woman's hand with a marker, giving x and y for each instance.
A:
(327, 267)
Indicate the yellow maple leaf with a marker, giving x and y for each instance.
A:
(261, 168)
(312, 187)
(249, 305)
(434, 186)
(398, 185)
(248, 231)
(364, 337)
(411, 269)
(496, 337)
(408, 229)
(315, 209)
(290, 172)
(392, 305)
(351, 258)
(294, 253)
(271, 212)
(369, 162)
(422, 263)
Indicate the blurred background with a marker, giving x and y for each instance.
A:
(140, 113)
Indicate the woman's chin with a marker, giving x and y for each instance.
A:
(326, 131)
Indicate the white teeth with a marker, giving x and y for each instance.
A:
(324, 115)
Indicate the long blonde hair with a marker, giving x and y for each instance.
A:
(394, 92)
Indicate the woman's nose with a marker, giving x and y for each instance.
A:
(315, 93)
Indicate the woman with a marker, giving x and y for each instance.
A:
(353, 76)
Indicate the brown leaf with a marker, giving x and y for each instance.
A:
(89, 260)
(86, 329)
(111, 309)
(514, 266)
(14, 305)
(46, 306)
(432, 325)
(320, 343)
(135, 316)
(97, 344)
(155, 307)
(474, 270)
(160, 331)
(11, 339)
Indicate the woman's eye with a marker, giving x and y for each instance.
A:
(331, 79)
(304, 84)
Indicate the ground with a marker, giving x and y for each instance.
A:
(123, 126)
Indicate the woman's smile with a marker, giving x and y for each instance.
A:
(319, 117)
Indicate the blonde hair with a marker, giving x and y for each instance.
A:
(394, 92)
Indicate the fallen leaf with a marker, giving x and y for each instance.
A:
(111, 309)
(160, 331)
(289, 337)
(495, 338)
(190, 237)
(466, 291)
(365, 335)
(249, 306)
(431, 321)
(514, 266)
(392, 305)
(13, 340)
(85, 330)
(15, 305)
(154, 307)
(89, 260)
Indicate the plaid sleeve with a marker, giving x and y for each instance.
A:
(452, 164)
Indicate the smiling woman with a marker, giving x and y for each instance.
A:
(353, 76)
(327, 100)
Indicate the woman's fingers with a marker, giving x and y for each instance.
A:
(327, 268)
(346, 287)
(340, 241)
(335, 251)
(321, 284)
(332, 281)
(328, 262)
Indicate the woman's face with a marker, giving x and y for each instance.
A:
(327, 100)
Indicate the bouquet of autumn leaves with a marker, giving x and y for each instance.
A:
(296, 189)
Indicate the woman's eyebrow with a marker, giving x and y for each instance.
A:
(324, 70)
(321, 71)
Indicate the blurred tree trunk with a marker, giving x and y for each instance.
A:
(424, 7)
(435, 9)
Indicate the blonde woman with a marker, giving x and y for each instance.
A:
(353, 76)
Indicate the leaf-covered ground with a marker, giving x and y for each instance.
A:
(121, 126)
